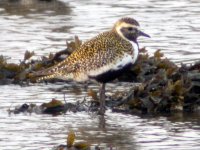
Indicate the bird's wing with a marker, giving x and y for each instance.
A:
(60, 70)
(77, 61)
(99, 53)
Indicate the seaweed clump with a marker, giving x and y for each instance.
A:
(8, 70)
(70, 144)
(53, 107)
(164, 87)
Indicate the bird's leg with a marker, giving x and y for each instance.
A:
(102, 99)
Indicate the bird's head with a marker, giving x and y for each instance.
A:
(129, 29)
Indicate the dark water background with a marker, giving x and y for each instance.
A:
(45, 26)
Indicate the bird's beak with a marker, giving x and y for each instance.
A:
(143, 34)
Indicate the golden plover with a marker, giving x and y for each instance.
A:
(102, 58)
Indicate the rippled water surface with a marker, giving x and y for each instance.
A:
(44, 27)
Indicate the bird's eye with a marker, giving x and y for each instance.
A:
(130, 29)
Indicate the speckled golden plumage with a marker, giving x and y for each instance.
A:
(106, 48)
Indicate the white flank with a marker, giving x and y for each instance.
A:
(82, 77)
(125, 60)
(101, 70)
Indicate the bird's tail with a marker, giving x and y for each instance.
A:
(46, 77)
(53, 72)
(45, 74)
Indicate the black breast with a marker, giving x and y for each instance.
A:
(110, 75)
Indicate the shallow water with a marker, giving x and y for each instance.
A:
(45, 26)
(127, 132)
